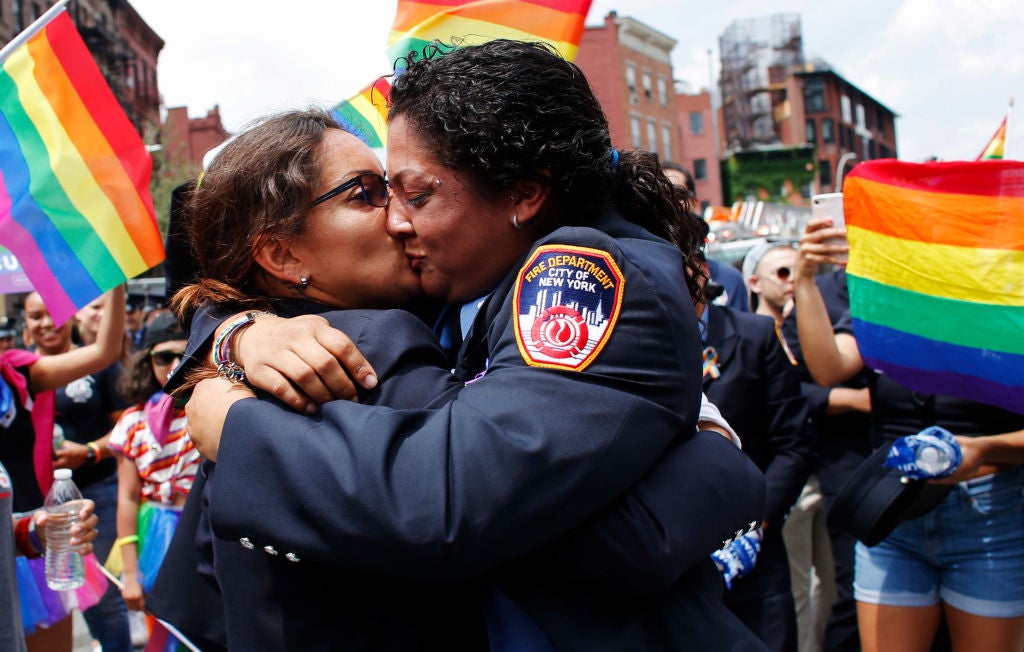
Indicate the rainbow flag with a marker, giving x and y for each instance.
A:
(936, 275)
(75, 207)
(419, 23)
(996, 148)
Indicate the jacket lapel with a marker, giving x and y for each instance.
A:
(722, 337)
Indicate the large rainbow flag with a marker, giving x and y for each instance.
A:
(421, 22)
(75, 207)
(936, 275)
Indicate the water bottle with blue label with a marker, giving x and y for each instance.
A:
(930, 454)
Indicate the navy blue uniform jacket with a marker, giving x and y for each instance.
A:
(519, 458)
(758, 392)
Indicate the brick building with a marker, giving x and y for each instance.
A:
(837, 117)
(628, 66)
(186, 139)
(771, 96)
(699, 152)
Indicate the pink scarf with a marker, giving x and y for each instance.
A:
(42, 409)
(159, 415)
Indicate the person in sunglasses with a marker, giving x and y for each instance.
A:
(768, 273)
(156, 461)
(494, 481)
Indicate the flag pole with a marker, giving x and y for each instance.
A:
(31, 30)
(1006, 139)
(171, 628)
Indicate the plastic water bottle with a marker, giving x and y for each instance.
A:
(933, 458)
(931, 453)
(65, 569)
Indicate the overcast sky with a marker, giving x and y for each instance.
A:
(946, 67)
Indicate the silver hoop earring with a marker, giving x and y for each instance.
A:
(303, 283)
(515, 222)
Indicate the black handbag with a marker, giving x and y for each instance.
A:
(875, 499)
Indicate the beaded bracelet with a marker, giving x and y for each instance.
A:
(227, 368)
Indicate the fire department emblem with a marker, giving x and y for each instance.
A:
(567, 303)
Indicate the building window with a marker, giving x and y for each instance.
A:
(634, 128)
(872, 151)
(666, 142)
(828, 131)
(700, 169)
(662, 91)
(652, 136)
(647, 85)
(814, 96)
(844, 102)
(631, 77)
(811, 134)
(825, 172)
(696, 123)
(861, 120)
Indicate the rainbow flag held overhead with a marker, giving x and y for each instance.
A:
(75, 207)
(936, 275)
(420, 22)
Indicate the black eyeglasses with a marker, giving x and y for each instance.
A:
(166, 357)
(373, 187)
(783, 273)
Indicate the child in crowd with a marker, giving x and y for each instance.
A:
(156, 462)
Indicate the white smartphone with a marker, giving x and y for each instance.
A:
(831, 205)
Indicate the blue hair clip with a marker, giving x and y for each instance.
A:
(615, 158)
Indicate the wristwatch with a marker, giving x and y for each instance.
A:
(90, 454)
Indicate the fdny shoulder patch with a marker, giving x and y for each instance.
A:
(567, 303)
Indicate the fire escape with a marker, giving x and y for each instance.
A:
(758, 55)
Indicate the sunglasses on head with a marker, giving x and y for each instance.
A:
(166, 357)
(374, 189)
(783, 273)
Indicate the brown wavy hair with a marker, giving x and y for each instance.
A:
(258, 186)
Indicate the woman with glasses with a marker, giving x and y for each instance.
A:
(156, 461)
(559, 404)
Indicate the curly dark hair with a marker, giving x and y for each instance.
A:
(260, 185)
(507, 111)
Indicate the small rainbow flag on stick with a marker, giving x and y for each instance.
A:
(936, 275)
(419, 23)
(75, 207)
(996, 148)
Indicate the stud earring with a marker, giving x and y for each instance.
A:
(515, 222)
(303, 283)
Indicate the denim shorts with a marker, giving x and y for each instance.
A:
(968, 552)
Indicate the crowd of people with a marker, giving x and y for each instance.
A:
(491, 395)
